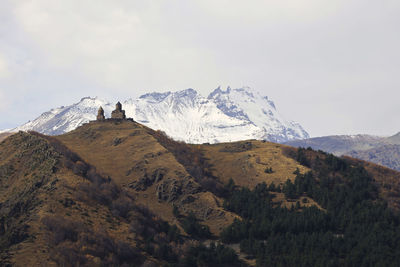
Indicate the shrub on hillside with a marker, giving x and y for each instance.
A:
(192, 227)
(72, 242)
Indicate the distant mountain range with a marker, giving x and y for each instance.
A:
(223, 116)
(381, 150)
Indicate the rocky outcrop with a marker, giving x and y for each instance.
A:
(169, 186)
(171, 189)
(148, 180)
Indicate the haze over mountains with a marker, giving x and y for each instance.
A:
(381, 150)
(223, 116)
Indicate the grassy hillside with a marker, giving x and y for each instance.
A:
(56, 209)
(118, 193)
(249, 163)
(138, 162)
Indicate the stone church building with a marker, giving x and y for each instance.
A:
(117, 114)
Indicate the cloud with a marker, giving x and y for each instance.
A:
(117, 44)
(3, 101)
(4, 70)
(324, 63)
(162, 45)
(4, 74)
(261, 11)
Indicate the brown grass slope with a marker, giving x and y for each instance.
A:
(139, 163)
(56, 210)
(84, 197)
(246, 163)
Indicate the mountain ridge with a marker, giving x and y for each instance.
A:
(380, 150)
(222, 116)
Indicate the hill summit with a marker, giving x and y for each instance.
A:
(223, 116)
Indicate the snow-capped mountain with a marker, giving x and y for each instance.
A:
(224, 116)
(64, 119)
(250, 106)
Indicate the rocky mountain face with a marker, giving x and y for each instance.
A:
(381, 150)
(223, 116)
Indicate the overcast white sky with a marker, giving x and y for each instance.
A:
(333, 65)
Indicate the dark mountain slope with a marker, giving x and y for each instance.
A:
(353, 227)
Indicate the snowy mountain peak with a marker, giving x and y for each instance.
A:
(218, 91)
(224, 116)
(230, 93)
(191, 93)
(87, 98)
(90, 101)
(155, 97)
(249, 105)
(159, 97)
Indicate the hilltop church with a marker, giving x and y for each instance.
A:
(117, 114)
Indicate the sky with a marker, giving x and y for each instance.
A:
(331, 65)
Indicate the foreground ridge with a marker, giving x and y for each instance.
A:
(114, 192)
